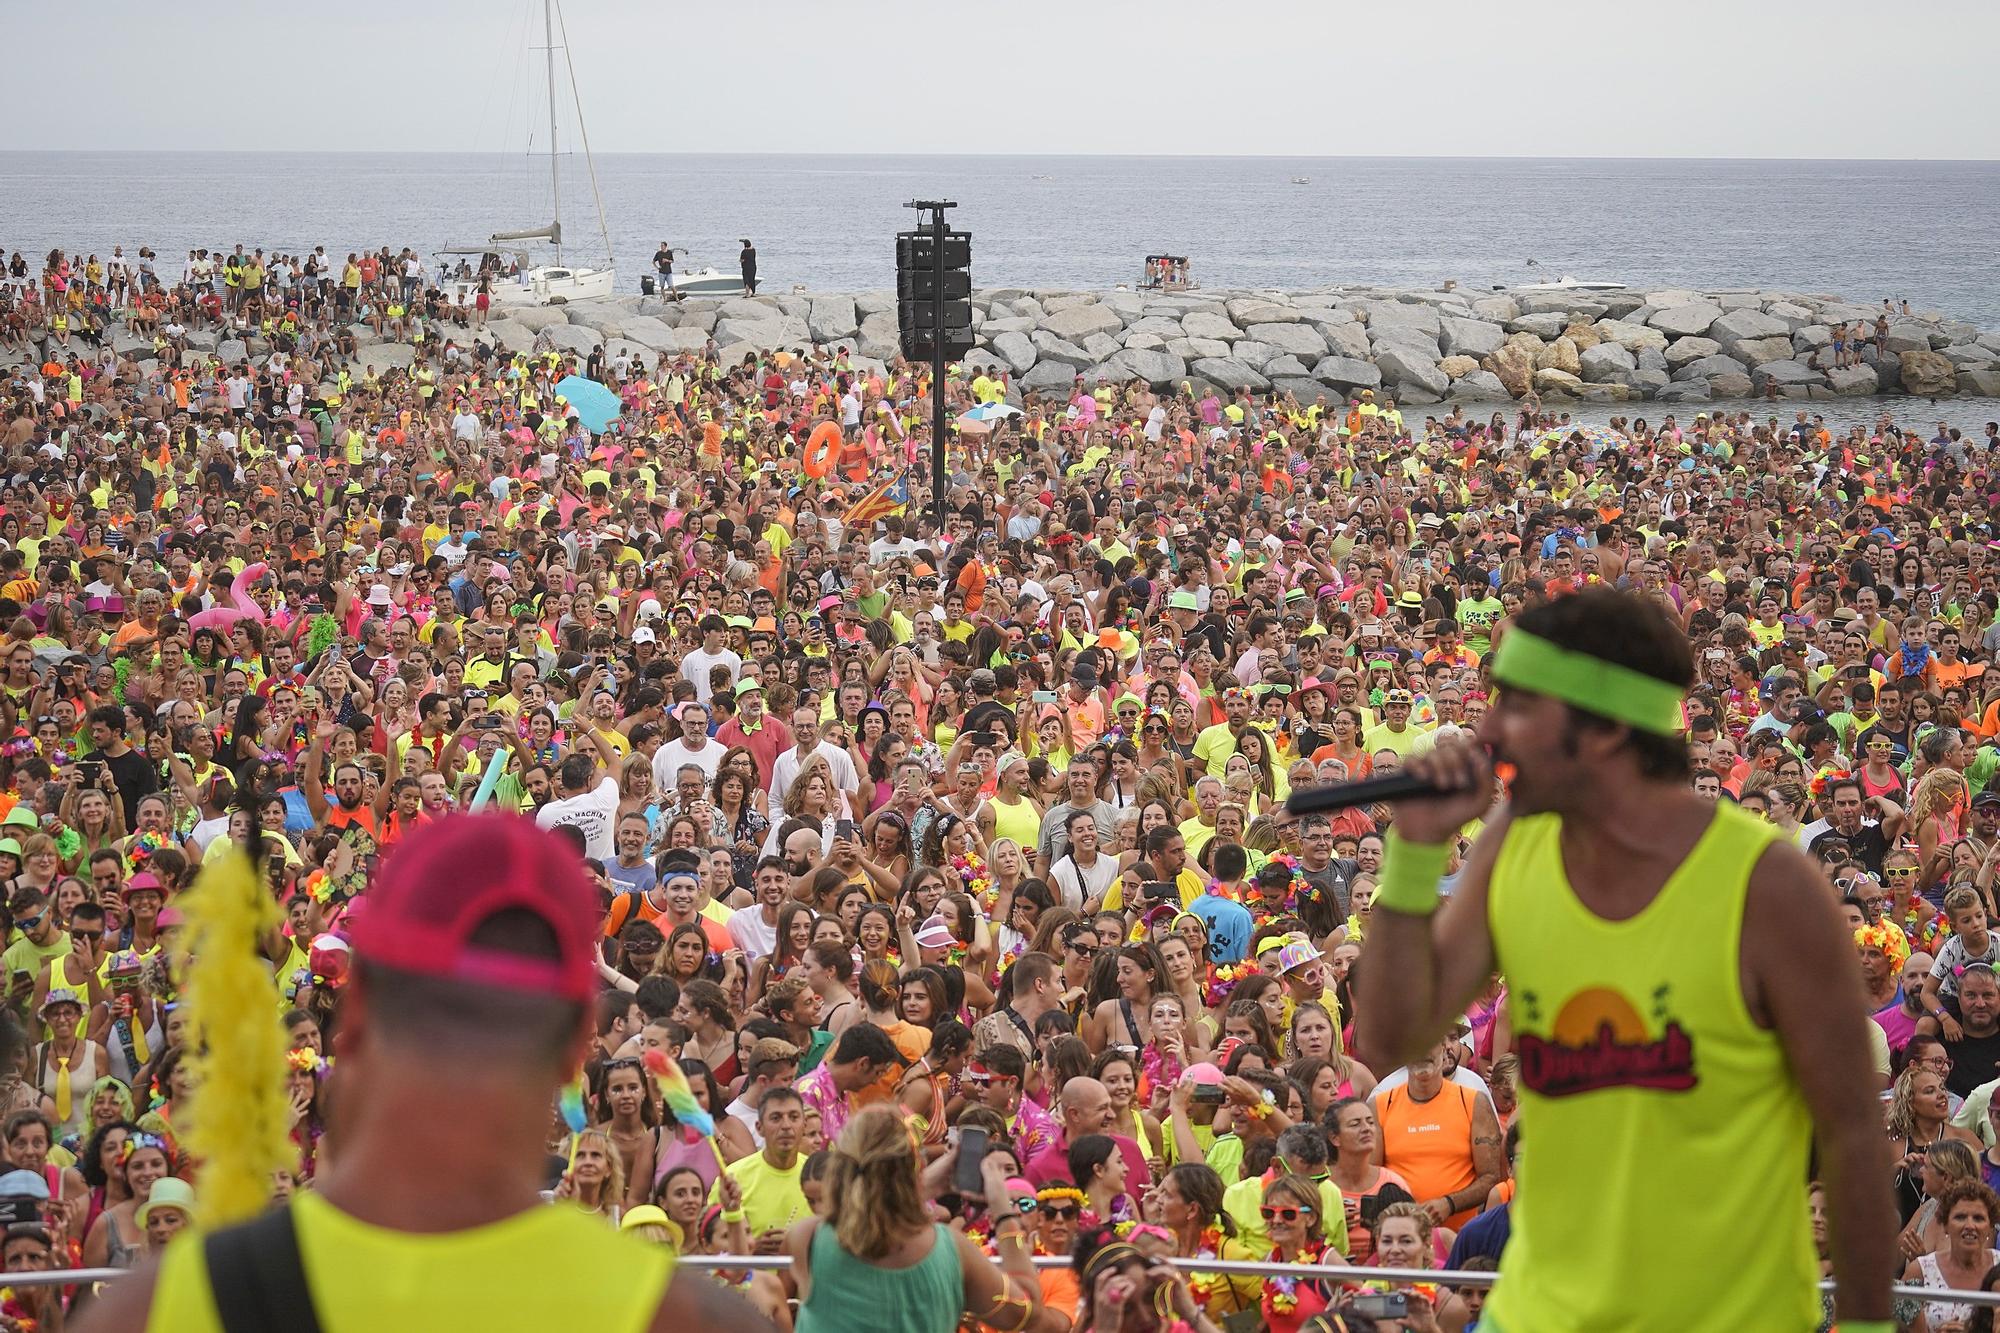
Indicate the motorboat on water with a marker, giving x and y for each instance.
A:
(1568, 284)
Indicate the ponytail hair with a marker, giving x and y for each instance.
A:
(874, 1175)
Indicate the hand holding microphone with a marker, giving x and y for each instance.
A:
(1435, 794)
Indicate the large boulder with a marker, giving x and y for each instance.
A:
(1160, 326)
(1481, 386)
(1299, 340)
(1908, 337)
(1406, 338)
(648, 331)
(1384, 314)
(232, 351)
(1855, 381)
(1601, 363)
(1634, 338)
(1227, 372)
(1347, 372)
(1757, 351)
(1550, 381)
(1154, 367)
(1642, 380)
(1683, 350)
(1047, 375)
(1049, 347)
(1470, 337)
(766, 335)
(1402, 367)
(1458, 367)
(1794, 316)
(1497, 308)
(1207, 324)
(1101, 345)
(832, 318)
(1560, 355)
(1747, 325)
(604, 316)
(1078, 322)
(1561, 303)
(879, 335)
(1015, 349)
(1247, 311)
(1514, 366)
(1543, 324)
(580, 340)
(1969, 356)
(1811, 337)
(1254, 354)
(1784, 374)
(384, 357)
(750, 308)
(1582, 334)
(1691, 391)
(1984, 381)
(1281, 368)
(1686, 321)
(1348, 339)
(1928, 374)
(1194, 349)
(1708, 367)
(1730, 384)
(536, 317)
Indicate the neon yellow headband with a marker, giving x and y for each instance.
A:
(1642, 702)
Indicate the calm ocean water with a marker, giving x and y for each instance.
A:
(1928, 231)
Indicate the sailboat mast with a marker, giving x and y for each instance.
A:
(555, 170)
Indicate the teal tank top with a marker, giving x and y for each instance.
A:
(849, 1293)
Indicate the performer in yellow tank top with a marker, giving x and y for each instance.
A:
(1683, 997)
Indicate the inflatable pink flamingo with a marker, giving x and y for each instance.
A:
(220, 618)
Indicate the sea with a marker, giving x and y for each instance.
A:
(1925, 232)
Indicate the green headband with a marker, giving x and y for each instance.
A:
(1642, 702)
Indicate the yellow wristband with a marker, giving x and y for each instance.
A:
(1410, 874)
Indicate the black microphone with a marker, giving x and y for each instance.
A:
(1398, 786)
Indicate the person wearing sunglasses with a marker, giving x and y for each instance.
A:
(1291, 1215)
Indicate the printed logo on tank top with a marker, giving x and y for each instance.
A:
(1599, 1040)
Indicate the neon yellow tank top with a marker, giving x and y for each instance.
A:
(547, 1268)
(1017, 821)
(1652, 1105)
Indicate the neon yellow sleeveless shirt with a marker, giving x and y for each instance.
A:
(547, 1268)
(1664, 1142)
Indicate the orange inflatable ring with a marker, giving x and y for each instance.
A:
(821, 448)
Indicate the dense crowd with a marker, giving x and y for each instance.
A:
(961, 853)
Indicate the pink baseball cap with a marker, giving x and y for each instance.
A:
(447, 878)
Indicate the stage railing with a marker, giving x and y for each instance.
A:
(1233, 1267)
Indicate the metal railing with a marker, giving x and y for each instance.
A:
(1345, 1272)
(64, 1277)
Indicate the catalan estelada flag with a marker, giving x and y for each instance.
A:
(889, 498)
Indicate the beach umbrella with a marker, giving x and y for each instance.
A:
(596, 406)
(1597, 437)
(990, 412)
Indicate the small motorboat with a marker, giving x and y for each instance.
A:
(1302, 180)
(1568, 284)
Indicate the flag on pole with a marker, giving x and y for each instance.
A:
(891, 497)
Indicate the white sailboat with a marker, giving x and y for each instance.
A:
(525, 282)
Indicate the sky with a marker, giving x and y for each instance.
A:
(1450, 78)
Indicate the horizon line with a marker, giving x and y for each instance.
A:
(907, 153)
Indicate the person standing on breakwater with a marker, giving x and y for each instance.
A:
(1711, 1056)
(749, 261)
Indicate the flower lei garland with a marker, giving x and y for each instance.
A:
(979, 885)
(1888, 937)
(1281, 1294)
(1222, 981)
(1300, 891)
(1824, 778)
(1204, 1287)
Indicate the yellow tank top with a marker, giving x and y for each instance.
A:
(547, 1268)
(1017, 821)
(1651, 1104)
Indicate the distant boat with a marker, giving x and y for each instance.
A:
(1302, 180)
(543, 284)
(1568, 284)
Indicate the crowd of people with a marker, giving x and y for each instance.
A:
(952, 863)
